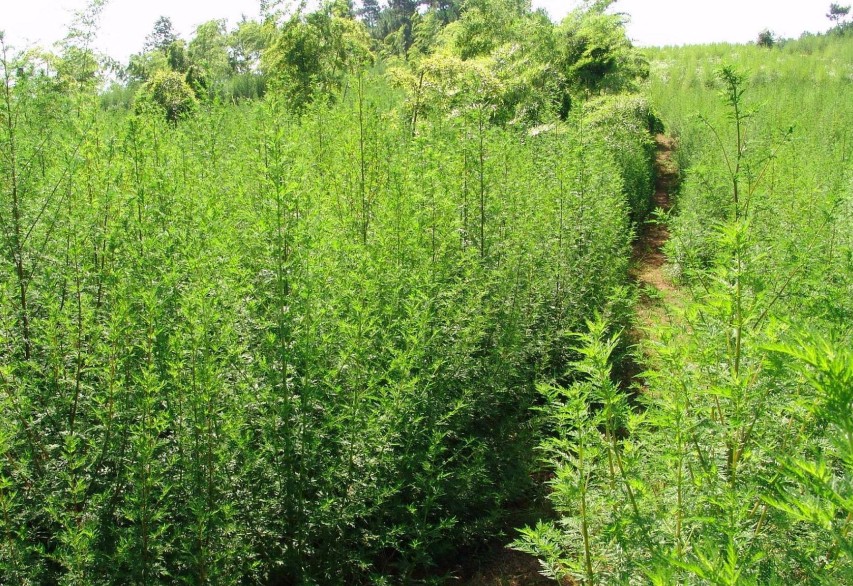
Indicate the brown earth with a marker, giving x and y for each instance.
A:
(510, 568)
(648, 259)
(659, 299)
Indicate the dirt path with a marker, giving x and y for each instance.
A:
(510, 568)
(648, 259)
(658, 296)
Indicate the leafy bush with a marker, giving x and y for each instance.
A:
(256, 347)
(628, 122)
(169, 93)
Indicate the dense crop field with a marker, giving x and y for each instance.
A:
(736, 466)
(326, 300)
(246, 344)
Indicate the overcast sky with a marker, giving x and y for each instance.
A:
(125, 23)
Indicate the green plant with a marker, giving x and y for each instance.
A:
(837, 13)
(313, 54)
(594, 487)
(816, 491)
(168, 92)
(766, 38)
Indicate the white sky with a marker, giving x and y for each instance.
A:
(125, 23)
(685, 22)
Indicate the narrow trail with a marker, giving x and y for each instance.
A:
(658, 295)
(648, 259)
(507, 567)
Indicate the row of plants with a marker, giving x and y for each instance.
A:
(732, 463)
(250, 346)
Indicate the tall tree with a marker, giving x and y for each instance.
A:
(161, 36)
(447, 10)
(312, 53)
(766, 38)
(208, 49)
(837, 13)
(397, 18)
(246, 43)
(488, 24)
(79, 64)
(369, 13)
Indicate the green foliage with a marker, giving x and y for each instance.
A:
(216, 63)
(733, 465)
(515, 84)
(837, 13)
(261, 347)
(486, 25)
(78, 67)
(161, 36)
(177, 57)
(816, 492)
(167, 92)
(594, 53)
(141, 67)
(593, 491)
(788, 164)
(766, 38)
(425, 33)
(246, 44)
(313, 54)
(369, 13)
(449, 86)
(533, 70)
(629, 123)
(208, 51)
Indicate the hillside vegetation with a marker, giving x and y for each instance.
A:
(294, 339)
(734, 464)
(326, 299)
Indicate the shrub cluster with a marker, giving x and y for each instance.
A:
(250, 347)
(734, 463)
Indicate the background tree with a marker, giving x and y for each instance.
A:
(396, 18)
(142, 66)
(488, 24)
(78, 65)
(246, 43)
(162, 35)
(369, 13)
(177, 57)
(447, 10)
(208, 52)
(837, 13)
(313, 53)
(766, 38)
(594, 53)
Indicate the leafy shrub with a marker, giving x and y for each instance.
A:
(169, 93)
(257, 347)
(628, 122)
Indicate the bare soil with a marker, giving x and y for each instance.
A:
(510, 568)
(648, 259)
